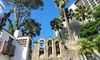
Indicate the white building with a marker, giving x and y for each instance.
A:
(87, 3)
(14, 48)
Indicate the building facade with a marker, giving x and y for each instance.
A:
(15, 47)
(53, 49)
(88, 3)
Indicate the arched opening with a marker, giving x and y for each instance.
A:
(41, 50)
(49, 47)
(57, 48)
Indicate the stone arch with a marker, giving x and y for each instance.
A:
(41, 48)
(57, 48)
(49, 47)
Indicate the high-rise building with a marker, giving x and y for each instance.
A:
(87, 3)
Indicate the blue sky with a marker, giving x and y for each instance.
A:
(45, 16)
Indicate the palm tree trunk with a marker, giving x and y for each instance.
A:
(70, 31)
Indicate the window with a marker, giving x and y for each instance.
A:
(49, 47)
(57, 48)
(41, 50)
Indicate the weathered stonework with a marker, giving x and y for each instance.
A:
(66, 51)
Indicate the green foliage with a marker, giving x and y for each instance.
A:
(96, 41)
(86, 46)
(89, 30)
(10, 27)
(82, 13)
(22, 9)
(31, 28)
(59, 3)
(96, 12)
(56, 24)
(31, 4)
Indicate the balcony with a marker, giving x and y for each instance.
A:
(7, 49)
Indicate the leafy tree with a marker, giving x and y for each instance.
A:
(56, 24)
(3, 19)
(22, 9)
(10, 27)
(82, 13)
(96, 13)
(89, 30)
(65, 15)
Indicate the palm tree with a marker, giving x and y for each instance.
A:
(57, 25)
(82, 13)
(65, 14)
(31, 28)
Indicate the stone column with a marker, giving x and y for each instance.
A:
(35, 53)
(45, 50)
(53, 49)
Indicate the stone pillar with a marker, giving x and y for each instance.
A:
(45, 50)
(53, 49)
(35, 53)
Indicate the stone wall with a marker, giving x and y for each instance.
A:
(65, 52)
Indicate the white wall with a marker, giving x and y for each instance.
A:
(18, 51)
(21, 53)
(73, 6)
(4, 35)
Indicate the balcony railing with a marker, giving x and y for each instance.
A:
(7, 49)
